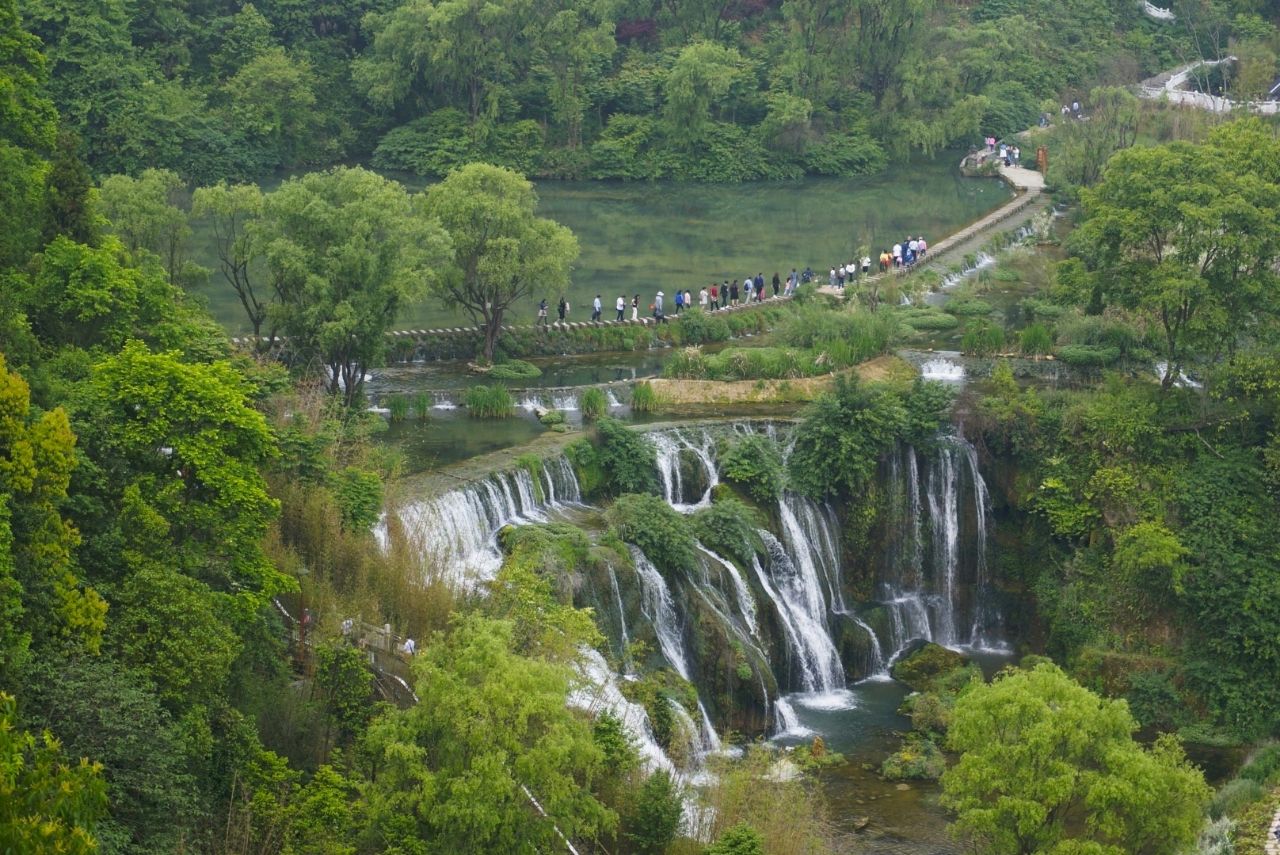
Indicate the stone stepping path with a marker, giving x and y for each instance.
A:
(1273, 843)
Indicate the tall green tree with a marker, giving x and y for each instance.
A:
(1188, 238)
(889, 31)
(344, 250)
(41, 596)
(147, 214)
(502, 250)
(28, 125)
(1048, 766)
(175, 450)
(230, 211)
(458, 771)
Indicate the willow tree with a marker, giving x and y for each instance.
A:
(344, 250)
(502, 251)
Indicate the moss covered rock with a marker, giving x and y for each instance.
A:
(922, 669)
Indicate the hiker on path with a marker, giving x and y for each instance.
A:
(733, 293)
(776, 284)
(715, 296)
(866, 264)
(621, 306)
(562, 308)
(542, 312)
(679, 300)
(657, 309)
(702, 298)
(635, 308)
(596, 306)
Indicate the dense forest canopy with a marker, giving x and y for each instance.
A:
(709, 89)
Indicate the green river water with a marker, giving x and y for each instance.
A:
(642, 237)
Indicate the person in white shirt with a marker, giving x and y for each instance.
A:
(924, 247)
(702, 299)
(897, 255)
(596, 306)
(866, 264)
(621, 306)
(408, 647)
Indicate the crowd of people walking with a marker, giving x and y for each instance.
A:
(750, 289)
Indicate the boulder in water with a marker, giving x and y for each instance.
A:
(922, 668)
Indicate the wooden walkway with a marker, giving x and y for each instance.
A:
(1030, 185)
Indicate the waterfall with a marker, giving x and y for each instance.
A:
(622, 617)
(746, 603)
(599, 693)
(660, 609)
(443, 401)
(612, 399)
(922, 588)
(455, 531)
(797, 596)
(671, 446)
(808, 530)
(559, 482)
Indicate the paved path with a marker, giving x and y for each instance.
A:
(1028, 181)
(1273, 843)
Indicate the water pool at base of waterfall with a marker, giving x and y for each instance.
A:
(863, 724)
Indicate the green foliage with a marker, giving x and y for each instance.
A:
(359, 495)
(755, 463)
(966, 306)
(699, 327)
(728, 528)
(1035, 340)
(489, 402)
(917, 759)
(339, 289)
(41, 596)
(643, 398)
(397, 407)
(1217, 838)
(923, 667)
(652, 823)
(1263, 765)
(177, 450)
(593, 404)
(662, 533)
(46, 803)
(344, 684)
(928, 319)
(514, 370)
(489, 721)
(1036, 747)
(982, 339)
(1087, 355)
(1234, 795)
(501, 249)
(844, 433)
(742, 839)
(442, 141)
(553, 418)
(629, 462)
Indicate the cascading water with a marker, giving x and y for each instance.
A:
(802, 610)
(659, 608)
(622, 618)
(454, 532)
(921, 590)
(673, 446)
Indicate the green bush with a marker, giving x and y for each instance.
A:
(1263, 765)
(489, 402)
(643, 398)
(982, 339)
(514, 370)
(593, 405)
(917, 760)
(551, 418)
(1036, 340)
(1042, 309)
(699, 327)
(930, 713)
(928, 319)
(422, 405)
(743, 363)
(922, 668)
(628, 461)
(1233, 796)
(754, 463)
(728, 528)
(398, 407)
(968, 306)
(359, 495)
(1099, 331)
(742, 839)
(687, 362)
(655, 817)
(1087, 355)
(444, 140)
(1218, 838)
(850, 153)
(662, 533)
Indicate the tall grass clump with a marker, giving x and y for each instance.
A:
(422, 403)
(489, 402)
(398, 407)
(1036, 340)
(643, 398)
(593, 404)
(982, 339)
